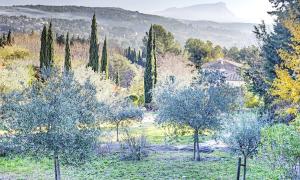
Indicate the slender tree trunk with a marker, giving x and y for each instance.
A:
(245, 167)
(197, 158)
(56, 167)
(117, 132)
(194, 147)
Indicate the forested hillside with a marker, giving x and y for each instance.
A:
(127, 27)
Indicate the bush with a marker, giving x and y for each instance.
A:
(281, 148)
(134, 148)
(10, 53)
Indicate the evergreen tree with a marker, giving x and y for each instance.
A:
(149, 69)
(155, 59)
(134, 56)
(67, 66)
(104, 60)
(50, 48)
(94, 49)
(4, 39)
(129, 53)
(117, 78)
(139, 56)
(9, 38)
(43, 50)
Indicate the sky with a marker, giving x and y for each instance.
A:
(247, 10)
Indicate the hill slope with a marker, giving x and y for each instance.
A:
(212, 12)
(123, 26)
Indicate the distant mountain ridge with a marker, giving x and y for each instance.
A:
(217, 12)
(121, 26)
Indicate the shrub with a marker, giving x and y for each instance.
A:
(10, 53)
(281, 148)
(134, 148)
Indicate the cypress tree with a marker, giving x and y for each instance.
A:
(67, 65)
(149, 69)
(134, 56)
(50, 48)
(155, 60)
(4, 39)
(43, 50)
(9, 38)
(94, 50)
(104, 60)
(139, 56)
(129, 53)
(117, 78)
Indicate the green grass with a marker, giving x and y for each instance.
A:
(154, 133)
(176, 165)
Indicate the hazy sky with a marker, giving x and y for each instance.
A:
(247, 10)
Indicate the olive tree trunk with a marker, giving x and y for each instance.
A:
(196, 146)
(117, 126)
(56, 167)
(245, 167)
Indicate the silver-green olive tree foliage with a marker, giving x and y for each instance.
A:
(281, 149)
(199, 106)
(121, 112)
(54, 118)
(242, 134)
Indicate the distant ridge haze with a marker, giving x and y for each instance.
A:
(248, 11)
(217, 12)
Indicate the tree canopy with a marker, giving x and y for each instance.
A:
(201, 52)
(198, 107)
(165, 41)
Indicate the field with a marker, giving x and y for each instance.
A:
(160, 164)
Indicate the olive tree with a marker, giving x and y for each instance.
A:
(199, 106)
(242, 134)
(54, 118)
(121, 111)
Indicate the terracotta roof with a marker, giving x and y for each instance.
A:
(230, 69)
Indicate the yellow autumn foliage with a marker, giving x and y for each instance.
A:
(286, 86)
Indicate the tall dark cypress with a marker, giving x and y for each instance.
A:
(155, 59)
(67, 65)
(50, 48)
(4, 39)
(94, 49)
(139, 55)
(117, 78)
(104, 60)
(149, 69)
(43, 50)
(9, 38)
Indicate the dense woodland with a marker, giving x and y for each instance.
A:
(89, 108)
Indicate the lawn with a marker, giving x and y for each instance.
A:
(162, 165)
(158, 165)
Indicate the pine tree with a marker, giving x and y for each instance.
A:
(50, 48)
(67, 65)
(149, 69)
(43, 50)
(104, 60)
(9, 38)
(94, 49)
